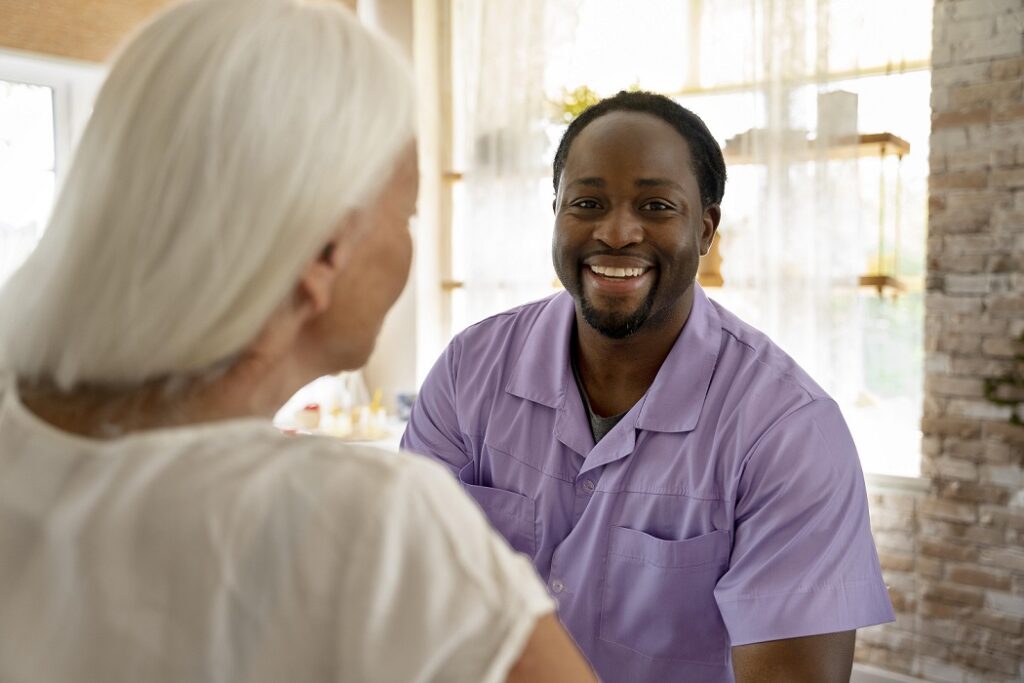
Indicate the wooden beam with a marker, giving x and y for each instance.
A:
(87, 31)
(76, 29)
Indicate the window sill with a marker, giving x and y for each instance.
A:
(870, 674)
(882, 483)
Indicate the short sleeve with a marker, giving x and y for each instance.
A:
(803, 560)
(433, 428)
(437, 595)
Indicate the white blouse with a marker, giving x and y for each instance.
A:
(229, 552)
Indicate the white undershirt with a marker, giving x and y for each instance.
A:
(228, 552)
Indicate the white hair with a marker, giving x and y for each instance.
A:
(228, 142)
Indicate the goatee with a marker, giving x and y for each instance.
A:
(615, 325)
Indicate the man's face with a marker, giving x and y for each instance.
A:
(629, 228)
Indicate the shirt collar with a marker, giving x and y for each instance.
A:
(543, 369)
(673, 403)
(676, 398)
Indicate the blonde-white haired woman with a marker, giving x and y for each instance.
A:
(235, 225)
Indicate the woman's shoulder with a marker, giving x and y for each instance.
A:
(402, 501)
(325, 470)
(360, 464)
(396, 509)
(311, 499)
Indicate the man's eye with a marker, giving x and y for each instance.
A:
(586, 204)
(656, 205)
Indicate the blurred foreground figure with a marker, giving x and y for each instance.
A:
(235, 225)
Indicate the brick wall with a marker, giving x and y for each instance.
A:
(954, 555)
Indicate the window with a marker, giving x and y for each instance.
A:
(43, 107)
(800, 227)
(28, 170)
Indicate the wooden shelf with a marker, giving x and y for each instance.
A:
(881, 283)
(853, 147)
(875, 144)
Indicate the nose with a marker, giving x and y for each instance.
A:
(619, 229)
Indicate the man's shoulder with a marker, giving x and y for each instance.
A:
(758, 385)
(763, 363)
(506, 330)
(763, 389)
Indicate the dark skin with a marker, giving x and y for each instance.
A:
(628, 198)
(826, 658)
(629, 230)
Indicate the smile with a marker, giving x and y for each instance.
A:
(619, 273)
(617, 281)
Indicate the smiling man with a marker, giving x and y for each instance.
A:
(692, 498)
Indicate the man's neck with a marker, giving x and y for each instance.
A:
(618, 372)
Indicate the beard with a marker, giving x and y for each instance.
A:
(616, 324)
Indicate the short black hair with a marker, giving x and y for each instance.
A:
(709, 165)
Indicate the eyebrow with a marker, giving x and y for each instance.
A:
(640, 182)
(658, 182)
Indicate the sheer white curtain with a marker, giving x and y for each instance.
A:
(800, 222)
(791, 235)
(501, 242)
(792, 255)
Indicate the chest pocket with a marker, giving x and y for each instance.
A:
(658, 595)
(511, 514)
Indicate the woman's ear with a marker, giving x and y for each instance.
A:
(316, 285)
(311, 296)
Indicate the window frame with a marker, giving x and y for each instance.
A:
(74, 86)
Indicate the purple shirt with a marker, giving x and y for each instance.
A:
(727, 507)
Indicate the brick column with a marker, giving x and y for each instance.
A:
(954, 556)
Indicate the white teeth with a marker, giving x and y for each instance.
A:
(617, 272)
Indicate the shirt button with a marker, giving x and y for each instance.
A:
(557, 586)
(588, 486)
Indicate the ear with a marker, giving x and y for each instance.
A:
(315, 288)
(709, 225)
